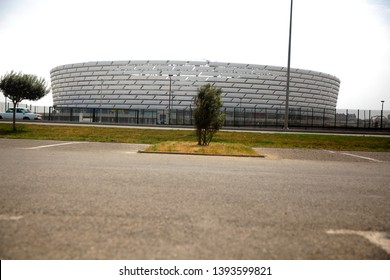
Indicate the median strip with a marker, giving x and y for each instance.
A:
(191, 148)
(199, 154)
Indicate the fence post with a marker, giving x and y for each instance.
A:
(117, 116)
(369, 119)
(234, 116)
(312, 117)
(364, 123)
(224, 122)
(358, 118)
(244, 117)
(323, 119)
(307, 118)
(300, 117)
(346, 120)
(255, 118)
(191, 115)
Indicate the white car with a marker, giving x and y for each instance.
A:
(21, 114)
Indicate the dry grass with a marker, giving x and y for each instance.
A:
(193, 148)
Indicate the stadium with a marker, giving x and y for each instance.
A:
(165, 89)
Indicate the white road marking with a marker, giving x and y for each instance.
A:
(4, 217)
(53, 145)
(352, 155)
(376, 237)
(368, 158)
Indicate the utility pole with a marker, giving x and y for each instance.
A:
(286, 113)
(101, 100)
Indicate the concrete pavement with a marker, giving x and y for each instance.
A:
(83, 200)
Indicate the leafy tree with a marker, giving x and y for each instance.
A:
(207, 114)
(19, 86)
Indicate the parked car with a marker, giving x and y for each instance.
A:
(21, 114)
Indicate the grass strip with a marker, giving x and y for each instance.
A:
(153, 136)
(194, 148)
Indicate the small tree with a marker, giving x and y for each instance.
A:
(207, 114)
(19, 86)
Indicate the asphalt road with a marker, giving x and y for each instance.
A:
(74, 200)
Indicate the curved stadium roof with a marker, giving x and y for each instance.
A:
(136, 84)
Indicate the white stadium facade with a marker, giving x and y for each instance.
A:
(167, 87)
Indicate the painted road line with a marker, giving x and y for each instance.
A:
(53, 145)
(4, 217)
(352, 155)
(367, 158)
(376, 237)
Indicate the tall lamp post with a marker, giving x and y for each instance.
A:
(288, 71)
(169, 100)
(101, 100)
(382, 114)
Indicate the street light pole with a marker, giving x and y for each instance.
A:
(382, 114)
(288, 71)
(101, 100)
(169, 100)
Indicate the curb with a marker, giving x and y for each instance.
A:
(194, 154)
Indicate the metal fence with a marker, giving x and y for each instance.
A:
(235, 117)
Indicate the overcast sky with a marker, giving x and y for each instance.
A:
(346, 38)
